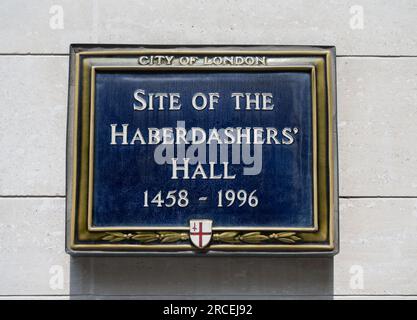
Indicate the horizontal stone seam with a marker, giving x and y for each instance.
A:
(377, 197)
(210, 295)
(36, 54)
(338, 56)
(30, 196)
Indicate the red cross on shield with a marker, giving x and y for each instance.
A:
(200, 232)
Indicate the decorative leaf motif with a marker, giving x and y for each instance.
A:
(146, 237)
(286, 240)
(228, 237)
(165, 233)
(232, 237)
(285, 234)
(116, 236)
(256, 237)
(170, 237)
(253, 237)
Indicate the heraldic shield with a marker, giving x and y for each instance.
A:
(200, 232)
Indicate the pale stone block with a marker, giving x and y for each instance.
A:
(33, 102)
(376, 297)
(378, 247)
(46, 26)
(32, 236)
(358, 28)
(377, 118)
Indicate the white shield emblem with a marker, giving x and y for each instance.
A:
(200, 232)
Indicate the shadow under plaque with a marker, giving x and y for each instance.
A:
(201, 277)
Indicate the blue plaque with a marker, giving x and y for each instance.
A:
(202, 150)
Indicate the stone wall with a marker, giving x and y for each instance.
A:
(376, 46)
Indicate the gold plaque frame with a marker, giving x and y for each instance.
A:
(84, 238)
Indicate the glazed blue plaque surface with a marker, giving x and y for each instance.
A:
(123, 172)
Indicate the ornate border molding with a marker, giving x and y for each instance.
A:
(231, 237)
